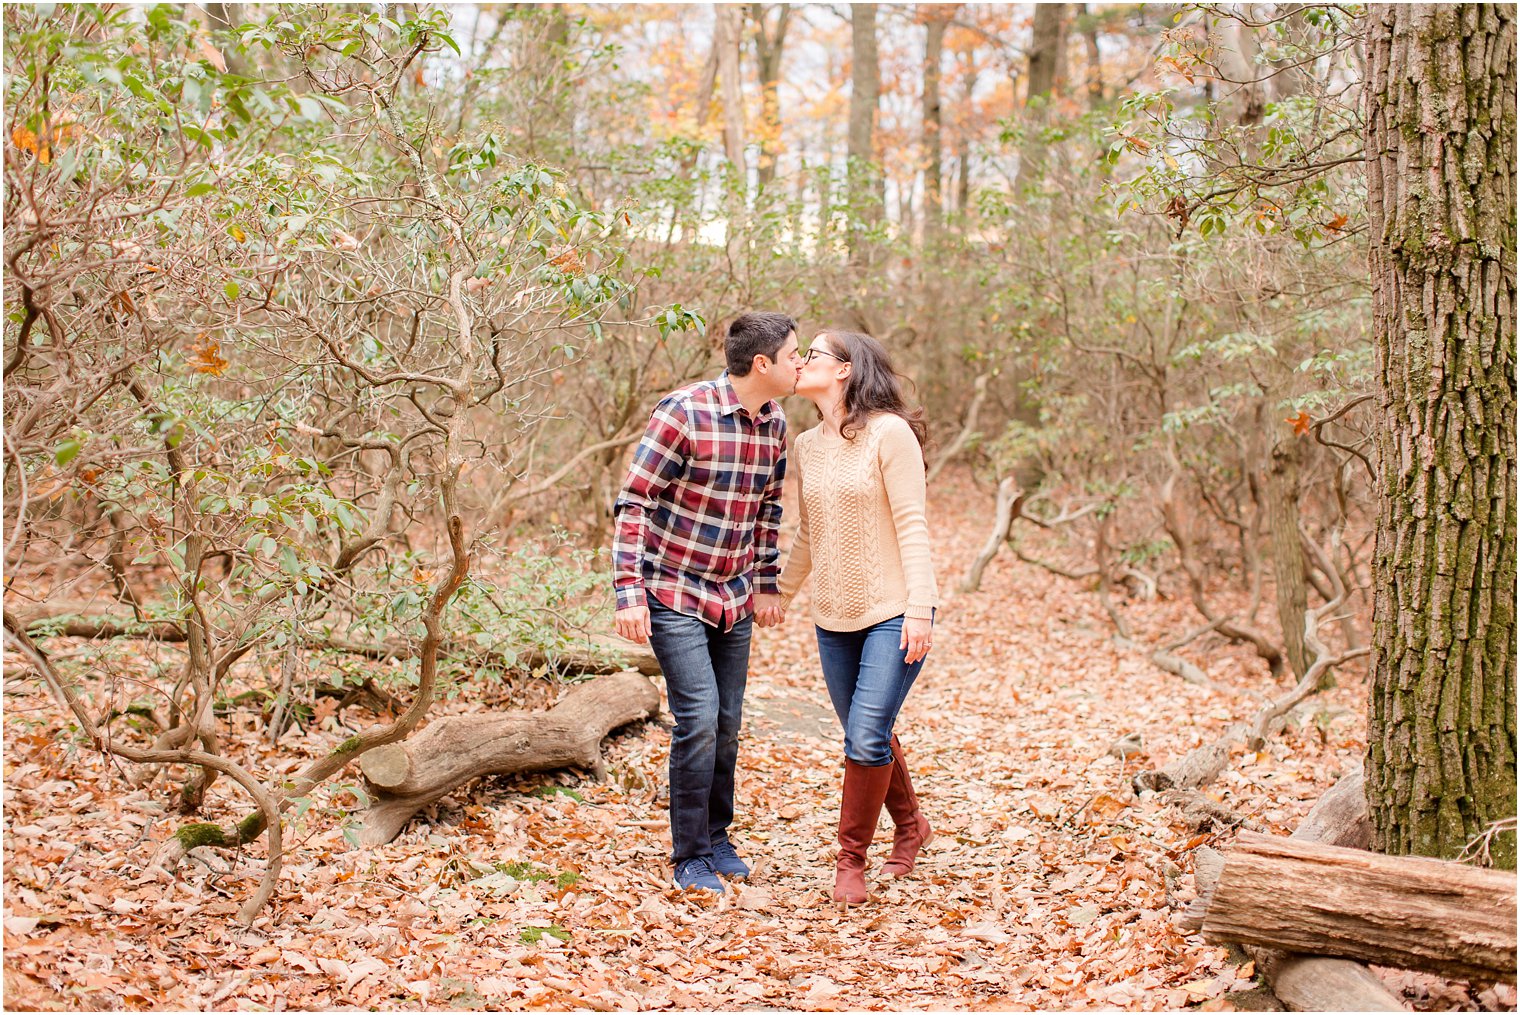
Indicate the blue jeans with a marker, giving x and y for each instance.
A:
(705, 671)
(868, 683)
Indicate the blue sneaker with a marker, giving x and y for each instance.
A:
(697, 872)
(726, 861)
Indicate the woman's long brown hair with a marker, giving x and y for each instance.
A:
(873, 385)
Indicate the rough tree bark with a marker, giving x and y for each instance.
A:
(1440, 140)
(864, 178)
(405, 777)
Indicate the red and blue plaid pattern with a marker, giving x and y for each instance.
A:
(697, 518)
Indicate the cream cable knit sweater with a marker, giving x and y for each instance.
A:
(863, 532)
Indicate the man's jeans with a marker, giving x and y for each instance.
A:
(868, 683)
(705, 671)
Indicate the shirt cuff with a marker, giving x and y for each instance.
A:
(767, 586)
(920, 612)
(630, 595)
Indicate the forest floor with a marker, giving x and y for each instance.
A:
(1049, 885)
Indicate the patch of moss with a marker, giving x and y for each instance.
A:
(520, 871)
(348, 746)
(250, 827)
(551, 791)
(533, 935)
(201, 833)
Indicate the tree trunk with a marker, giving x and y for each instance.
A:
(405, 777)
(1088, 22)
(963, 142)
(962, 193)
(1244, 95)
(933, 140)
(1287, 548)
(768, 45)
(1434, 915)
(1047, 71)
(865, 196)
(1440, 138)
(224, 18)
(1293, 72)
(729, 84)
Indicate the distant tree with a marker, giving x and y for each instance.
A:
(1047, 70)
(726, 45)
(935, 17)
(865, 89)
(769, 40)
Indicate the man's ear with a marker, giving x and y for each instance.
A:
(761, 363)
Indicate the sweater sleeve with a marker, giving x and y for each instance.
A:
(902, 472)
(799, 562)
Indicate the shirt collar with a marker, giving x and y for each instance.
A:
(728, 401)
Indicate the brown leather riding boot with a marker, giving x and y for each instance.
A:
(860, 806)
(913, 830)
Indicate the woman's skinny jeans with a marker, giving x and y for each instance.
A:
(868, 683)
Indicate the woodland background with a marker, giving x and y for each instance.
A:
(329, 329)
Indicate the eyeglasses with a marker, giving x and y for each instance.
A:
(815, 351)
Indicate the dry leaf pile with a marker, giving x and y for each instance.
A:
(1048, 884)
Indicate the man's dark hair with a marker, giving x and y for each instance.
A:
(755, 334)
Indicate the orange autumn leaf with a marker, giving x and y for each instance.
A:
(568, 261)
(206, 357)
(24, 139)
(1300, 423)
(213, 56)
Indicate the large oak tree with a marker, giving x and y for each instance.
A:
(1440, 133)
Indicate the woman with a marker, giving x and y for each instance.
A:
(864, 538)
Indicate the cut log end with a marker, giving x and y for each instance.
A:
(387, 766)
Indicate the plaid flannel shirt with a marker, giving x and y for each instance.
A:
(697, 519)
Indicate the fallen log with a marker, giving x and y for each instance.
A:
(1432, 915)
(1310, 982)
(451, 751)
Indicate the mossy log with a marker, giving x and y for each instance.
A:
(451, 751)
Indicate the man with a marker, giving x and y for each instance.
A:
(695, 563)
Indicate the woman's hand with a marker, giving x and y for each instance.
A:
(768, 609)
(916, 637)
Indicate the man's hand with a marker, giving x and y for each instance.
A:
(916, 637)
(768, 609)
(632, 622)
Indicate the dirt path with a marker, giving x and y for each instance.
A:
(1049, 885)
